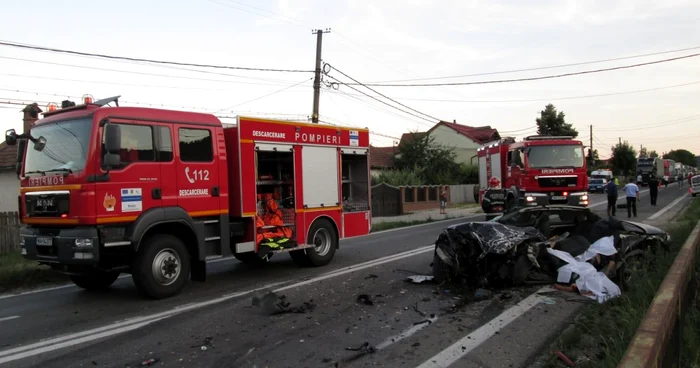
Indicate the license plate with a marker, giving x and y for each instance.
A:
(44, 202)
(558, 198)
(44, 241)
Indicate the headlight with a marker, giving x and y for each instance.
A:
(530, 198)
(584, 197)
(83, 243)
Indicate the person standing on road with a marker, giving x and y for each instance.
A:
(680, 181)
(632, 194)
(611, 188)
(653, 189)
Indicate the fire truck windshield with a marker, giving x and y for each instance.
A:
(66, 147)
(554, 156)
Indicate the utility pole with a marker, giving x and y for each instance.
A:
(317, 72)
(592, 159)
(619, 141)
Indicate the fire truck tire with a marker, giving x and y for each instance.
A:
(161, 267)
(323, 235)
(95, 280)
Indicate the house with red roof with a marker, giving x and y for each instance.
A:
(9, 183)
(463, 139)
(381, 159)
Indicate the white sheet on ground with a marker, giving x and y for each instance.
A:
(590, 280)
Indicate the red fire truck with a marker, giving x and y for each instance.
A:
(156, 193)
(536, 171)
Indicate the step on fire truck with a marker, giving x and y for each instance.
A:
(536, 171)
(157, 193)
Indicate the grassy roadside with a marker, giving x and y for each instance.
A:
(600, 334)
(16, 272)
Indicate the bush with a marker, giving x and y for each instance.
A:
(399, 178)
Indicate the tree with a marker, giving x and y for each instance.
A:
(683, 156)
(653, 154)
(623, 158)
(433, 162)
(643, 152)
(551, 123)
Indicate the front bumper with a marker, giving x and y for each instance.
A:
(71, 246)
(544, 199)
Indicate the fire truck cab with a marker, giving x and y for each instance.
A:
(536, 171)
(157, 193)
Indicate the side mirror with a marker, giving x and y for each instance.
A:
(111, 160)
(113, 138)
(11, 137)
(40, 143)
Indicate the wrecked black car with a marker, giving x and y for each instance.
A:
(524, 247)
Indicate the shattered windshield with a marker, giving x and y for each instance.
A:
(555, 156)
(66, 147)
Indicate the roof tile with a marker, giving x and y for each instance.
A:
(381, 157)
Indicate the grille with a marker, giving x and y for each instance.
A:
(557, 182)
(47, 205)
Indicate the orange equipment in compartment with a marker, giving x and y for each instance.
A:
(271, 225)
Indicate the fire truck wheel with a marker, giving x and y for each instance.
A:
(161, 267)
(95, 280)
(325, 240)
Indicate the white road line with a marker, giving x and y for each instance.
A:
(64, 341)
(668, 207)
(419, 225)
(470, 342)
(43, 290)
(8, 318)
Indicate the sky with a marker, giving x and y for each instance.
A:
(654, 106)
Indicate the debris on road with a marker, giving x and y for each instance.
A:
(482, 294)
(419, 279)
(366, 348)
(564, 358)
(272, 304)
(365, 299)
(371, 276)
(149, 362)
(415, 308)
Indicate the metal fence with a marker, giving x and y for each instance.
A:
(386, 200)
(9, 232)
(463, 193)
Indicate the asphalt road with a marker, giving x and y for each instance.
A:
(407, 324)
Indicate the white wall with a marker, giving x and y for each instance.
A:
(463, 147)
(9, 190)
(463, 193)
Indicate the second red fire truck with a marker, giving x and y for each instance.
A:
(536, 171)
(157, 193)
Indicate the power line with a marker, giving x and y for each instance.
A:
(380, 94)
(655, 125)
(529, 78)
(376, 106)
(269, 94)
(542, 67)
(385, 103)
(113, 57)
(125, 84)
(148, 74)
(551, 98)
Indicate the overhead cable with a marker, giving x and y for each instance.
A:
(114, 57)
(621, 67)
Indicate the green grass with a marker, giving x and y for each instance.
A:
(600, 334)
(17, 272)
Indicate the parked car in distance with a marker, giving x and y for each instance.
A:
(695, 185)
(596, 185)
